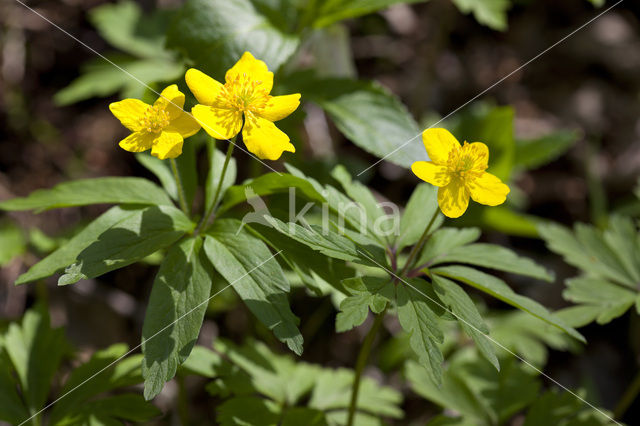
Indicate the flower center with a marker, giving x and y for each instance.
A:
(155, 119)
(244, 94)
(462, 162)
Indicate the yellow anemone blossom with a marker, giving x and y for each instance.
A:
(459, 171)
(245, 93)
(161, 126)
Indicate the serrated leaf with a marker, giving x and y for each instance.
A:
(215, 33)
(246, 263)
(467, 315)
(128, 240)
(161, 170)
(366, 293)
(612, 300)
(270, 183)
(174, 314)
(108, 190)
(500, 290)
(421, 207)
(296, 416)
(493, 257)
(417, 319)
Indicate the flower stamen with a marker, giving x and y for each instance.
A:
(155, 119)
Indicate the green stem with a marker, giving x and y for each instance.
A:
(206, 218)
(181, 196)
(629, 396)
(363, 355)
(416, 249)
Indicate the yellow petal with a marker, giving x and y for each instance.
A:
(480, 154)
(219, 123)
(438, 143)
(185, 124)
(279, 107)
(172, 101)
(431, 173)
(453, 199)
(264, 139)
(137, 141)
(129, 112)
(167, 145)
(253, 68)
(488, 190)
(203, 87)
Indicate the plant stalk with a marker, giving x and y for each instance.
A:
(363, 355)
(181, 194)
(206, 218)
(629, 396)
(416, 249)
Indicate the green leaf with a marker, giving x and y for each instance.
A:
(161, 170)
(124, 27)
(361, 195)
(247, 264)
(533, 153)
(326, 241)
(248, 410)
(445, 240)
(476, 390)
(372, 118)
(492, 13)
(366, 293)
(174, 315)
(12, 409)
(556, 407)
(128, 240)
(203, 362)
(529, 336)
(461, 305)
(68, 252)
(106, 370)
(188, 171)
(12, 242)
(112, 410)
(35, 350)
(611, 300)
(270, 183)
(493, 257)
(588, 250)
(320, 273)
(419, 320)
(333, 11)
(502, 219)
(332, 393)
(215, 33)
(100, 78)
(216, 164)
(108, 190)
(296, 416)
(273, 375)
(500, 290)
(421, 207)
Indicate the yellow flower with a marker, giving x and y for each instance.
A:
(245, 92)
(459, 172)
(161, 126)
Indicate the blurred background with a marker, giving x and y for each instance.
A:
(585, 92)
